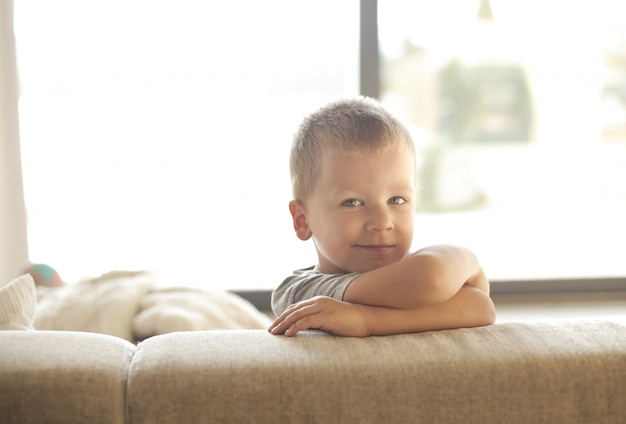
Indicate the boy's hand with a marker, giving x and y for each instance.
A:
(321, 313)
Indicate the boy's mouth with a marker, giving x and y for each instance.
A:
(375, 247)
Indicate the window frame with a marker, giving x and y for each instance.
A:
(369, 74)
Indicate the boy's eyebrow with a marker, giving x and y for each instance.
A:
(343, 190)
(410, 187)
(356, 188)
(403, 187)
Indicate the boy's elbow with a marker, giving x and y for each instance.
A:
(477, 308)
(485, 311)
(489, 316)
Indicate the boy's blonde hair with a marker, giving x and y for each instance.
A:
(347, 126)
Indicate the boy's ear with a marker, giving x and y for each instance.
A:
(300, 224)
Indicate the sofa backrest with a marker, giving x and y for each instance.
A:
(63, 377)
(568, 371)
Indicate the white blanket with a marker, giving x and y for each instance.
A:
(131, 305)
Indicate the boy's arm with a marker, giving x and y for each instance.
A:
(469, 307)
(428, 276)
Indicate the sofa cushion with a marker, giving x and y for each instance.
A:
(569, 371)
(62, 377)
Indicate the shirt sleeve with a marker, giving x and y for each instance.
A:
(307, 283)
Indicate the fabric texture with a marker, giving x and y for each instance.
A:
(570, 372)
(543, 372)
(105, 304)
(18, 301)
(62, 377)
(307, 283)
(188, 309)
(133, 305)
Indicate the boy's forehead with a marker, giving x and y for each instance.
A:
(348, 163)
(365, 150)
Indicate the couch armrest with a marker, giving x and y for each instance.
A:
(572, 372)
(62, 377)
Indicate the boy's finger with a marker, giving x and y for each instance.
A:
(293, 319)
(309, 322)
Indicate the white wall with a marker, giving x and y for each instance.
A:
(13, 240)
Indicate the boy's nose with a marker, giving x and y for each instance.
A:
(378, 219)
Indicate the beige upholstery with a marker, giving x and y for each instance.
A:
(569, 371)
(62, 377)
(508, 373)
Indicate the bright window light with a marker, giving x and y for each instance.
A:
(519, 109)
(155, 134)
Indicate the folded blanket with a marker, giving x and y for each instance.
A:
(188, 309)
(106, 304)
(131, 305)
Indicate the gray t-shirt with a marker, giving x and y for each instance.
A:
(307, 283)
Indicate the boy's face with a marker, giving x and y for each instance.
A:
(360, 213)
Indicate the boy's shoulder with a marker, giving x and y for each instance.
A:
(306, 283)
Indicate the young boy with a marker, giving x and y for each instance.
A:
(354, 175)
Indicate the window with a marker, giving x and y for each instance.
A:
(155, 134)
(519, 111)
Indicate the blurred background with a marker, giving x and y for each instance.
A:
(155, 135)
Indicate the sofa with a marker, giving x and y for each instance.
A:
(567, 371)
(542, 372)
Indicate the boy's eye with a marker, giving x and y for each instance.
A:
(351, 203)
(397, 200)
